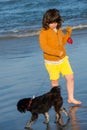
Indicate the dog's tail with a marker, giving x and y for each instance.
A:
(55, 89)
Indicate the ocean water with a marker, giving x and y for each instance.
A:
(19, 18)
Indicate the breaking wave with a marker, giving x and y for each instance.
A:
(29, 33)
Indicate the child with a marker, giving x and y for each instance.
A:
(52, 41)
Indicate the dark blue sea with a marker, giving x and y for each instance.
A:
(19, 18)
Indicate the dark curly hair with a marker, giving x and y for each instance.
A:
(51, 16)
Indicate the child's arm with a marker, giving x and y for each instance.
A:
(67, 35)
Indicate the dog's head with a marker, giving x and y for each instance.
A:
(22, 105)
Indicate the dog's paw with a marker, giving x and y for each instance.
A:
(28, 128)
(46, 122)
(61, 123)
(56, 122)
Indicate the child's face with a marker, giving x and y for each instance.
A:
(53, 25)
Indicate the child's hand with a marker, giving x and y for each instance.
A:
(69, 29)
(61, 53)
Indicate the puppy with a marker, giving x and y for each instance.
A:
(42, 104)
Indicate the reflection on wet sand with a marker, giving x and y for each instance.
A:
(73, 118)
(71, 124)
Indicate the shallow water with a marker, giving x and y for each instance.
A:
(22, 74)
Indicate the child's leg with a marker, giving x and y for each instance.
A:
(54, 83)
(70, 89)
(53, 71)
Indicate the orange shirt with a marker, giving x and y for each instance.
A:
(52, 43)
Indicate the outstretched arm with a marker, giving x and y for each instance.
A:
(67, 35)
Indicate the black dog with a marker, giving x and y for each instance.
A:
(42, 104)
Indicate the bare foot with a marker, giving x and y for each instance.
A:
(74, 101)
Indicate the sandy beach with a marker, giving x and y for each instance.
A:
(22, 74)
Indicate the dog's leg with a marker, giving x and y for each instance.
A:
(59, 119)
(64, 111)
(46, 117)
(58, 116)
(33, 118)
(28, 124)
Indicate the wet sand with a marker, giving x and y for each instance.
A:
(22, 74)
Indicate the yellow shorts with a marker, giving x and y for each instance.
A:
(54, 70)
